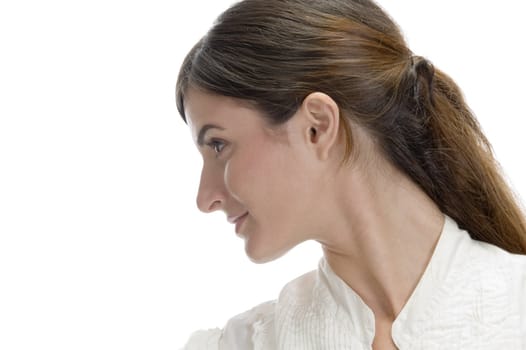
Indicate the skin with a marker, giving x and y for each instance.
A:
(377, 229)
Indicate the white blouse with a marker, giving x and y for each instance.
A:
(471, 296)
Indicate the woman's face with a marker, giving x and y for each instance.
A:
(262, 178)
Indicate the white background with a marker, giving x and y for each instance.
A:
(101, 245)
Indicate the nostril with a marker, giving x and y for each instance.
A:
(214, 206)
(208, 206)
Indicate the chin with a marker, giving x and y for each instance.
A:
(261, 253)
(260, 260)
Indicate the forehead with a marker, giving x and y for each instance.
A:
(199, 104)
(203, 108)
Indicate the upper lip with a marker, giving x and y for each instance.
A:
(233, 218)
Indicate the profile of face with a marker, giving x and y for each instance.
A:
(270, 181)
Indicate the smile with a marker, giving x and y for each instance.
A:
(239, 221)
(234, 219)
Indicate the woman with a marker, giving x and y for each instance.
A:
(316, 122)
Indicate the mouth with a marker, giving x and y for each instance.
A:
(238, 221)
(235, 219)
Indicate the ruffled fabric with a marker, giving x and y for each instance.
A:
(253, 329)
(204, 340)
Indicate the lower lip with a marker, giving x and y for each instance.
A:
(240, 221)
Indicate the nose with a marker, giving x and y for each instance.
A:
(212, 193)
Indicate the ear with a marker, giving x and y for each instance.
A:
(322, 122)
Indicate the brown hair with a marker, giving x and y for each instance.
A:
(274, 53)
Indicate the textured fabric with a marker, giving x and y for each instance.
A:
(204, 340)
(471, 296)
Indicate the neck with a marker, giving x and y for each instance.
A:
(381, 239)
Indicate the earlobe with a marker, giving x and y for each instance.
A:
(323, 119)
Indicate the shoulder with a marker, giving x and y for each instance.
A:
(501, 281)
(204, 340)
(256, 328)
(251, 329)
(497, 267)
(300, 290)
(496, 260)
(519, 280)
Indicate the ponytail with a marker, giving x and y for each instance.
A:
(468, 184)
(442, 148)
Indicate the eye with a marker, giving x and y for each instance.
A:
(216, 145)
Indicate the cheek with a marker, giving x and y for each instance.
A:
(243, 169)
(271, 183)
(246, 175)
(271, 178)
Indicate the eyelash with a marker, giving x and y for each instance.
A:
(213, 144)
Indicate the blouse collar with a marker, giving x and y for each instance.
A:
(445, 257)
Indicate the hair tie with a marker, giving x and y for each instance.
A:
(422, 72)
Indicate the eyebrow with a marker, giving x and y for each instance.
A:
(202, 133)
